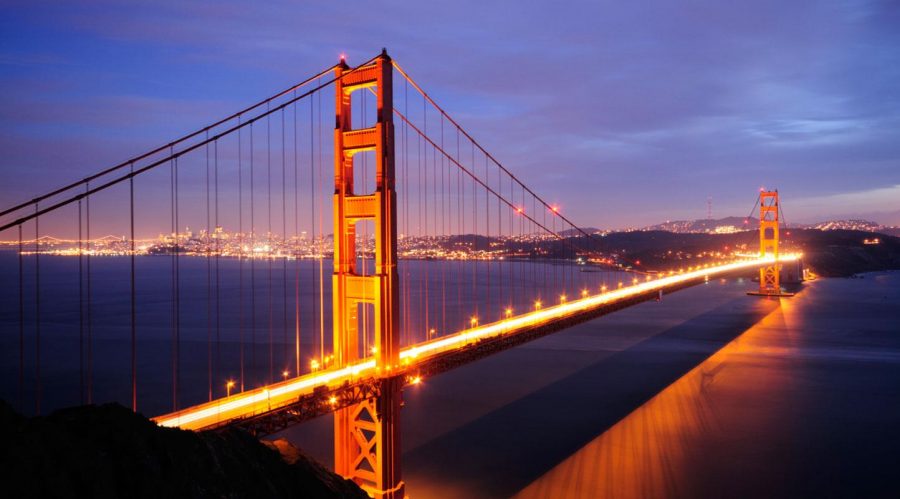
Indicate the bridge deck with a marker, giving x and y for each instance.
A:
(272, 407)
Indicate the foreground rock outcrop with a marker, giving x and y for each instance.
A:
(108, 451)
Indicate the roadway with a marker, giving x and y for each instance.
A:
(272, 398)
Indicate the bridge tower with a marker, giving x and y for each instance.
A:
(367, 435)
(769, 276)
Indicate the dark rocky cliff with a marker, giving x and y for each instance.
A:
(108, 451)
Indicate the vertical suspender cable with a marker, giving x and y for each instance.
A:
(321, 237)
(420, 152)
(218, 360)
(443, 235)
(90, 308)
(269, 242)
(487, 225)
(174, 248)
(284, 247)
(296, 252)
(312, 220)
(406, 202)
(208, 252)
(241, 255)
(423, 182)
(133, 299)
(21, 326)
(177, 283)
(253, 371)
(459, 228)
(80, 310)
(37, 313)
(474, 235)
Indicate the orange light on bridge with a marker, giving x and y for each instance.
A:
(415, 380)
(314, 364)
(584, 293)
(562, 298)
(285, 374)
(554, 209)
(431, 333)
(473, 321)
(332, 400)
(603, 288)
(374, 350)
(509, 312)
(228, 387)
(519, 210)
(213, 413)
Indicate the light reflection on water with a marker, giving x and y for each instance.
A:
(647, 453)
(782, 410)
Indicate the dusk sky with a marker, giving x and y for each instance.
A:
(624, 113)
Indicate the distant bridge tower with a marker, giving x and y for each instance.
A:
(367, 435)
(769, 276)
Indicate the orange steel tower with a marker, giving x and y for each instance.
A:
(769, 279)
(367, 435)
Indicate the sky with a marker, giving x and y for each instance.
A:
(625, 114)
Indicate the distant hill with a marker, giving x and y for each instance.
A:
(827, 252)
(576, 232)
(737, 224)
(719, 225)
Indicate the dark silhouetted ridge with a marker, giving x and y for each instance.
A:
(107, 451)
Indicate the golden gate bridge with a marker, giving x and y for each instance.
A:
(410, 184)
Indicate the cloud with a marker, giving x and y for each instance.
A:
(880, 202)
(656, 106)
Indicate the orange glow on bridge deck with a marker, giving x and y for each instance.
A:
(264, 399)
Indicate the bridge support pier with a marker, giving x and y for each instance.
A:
(367, 442)
(367, 435)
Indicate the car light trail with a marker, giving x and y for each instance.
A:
(260, 400)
